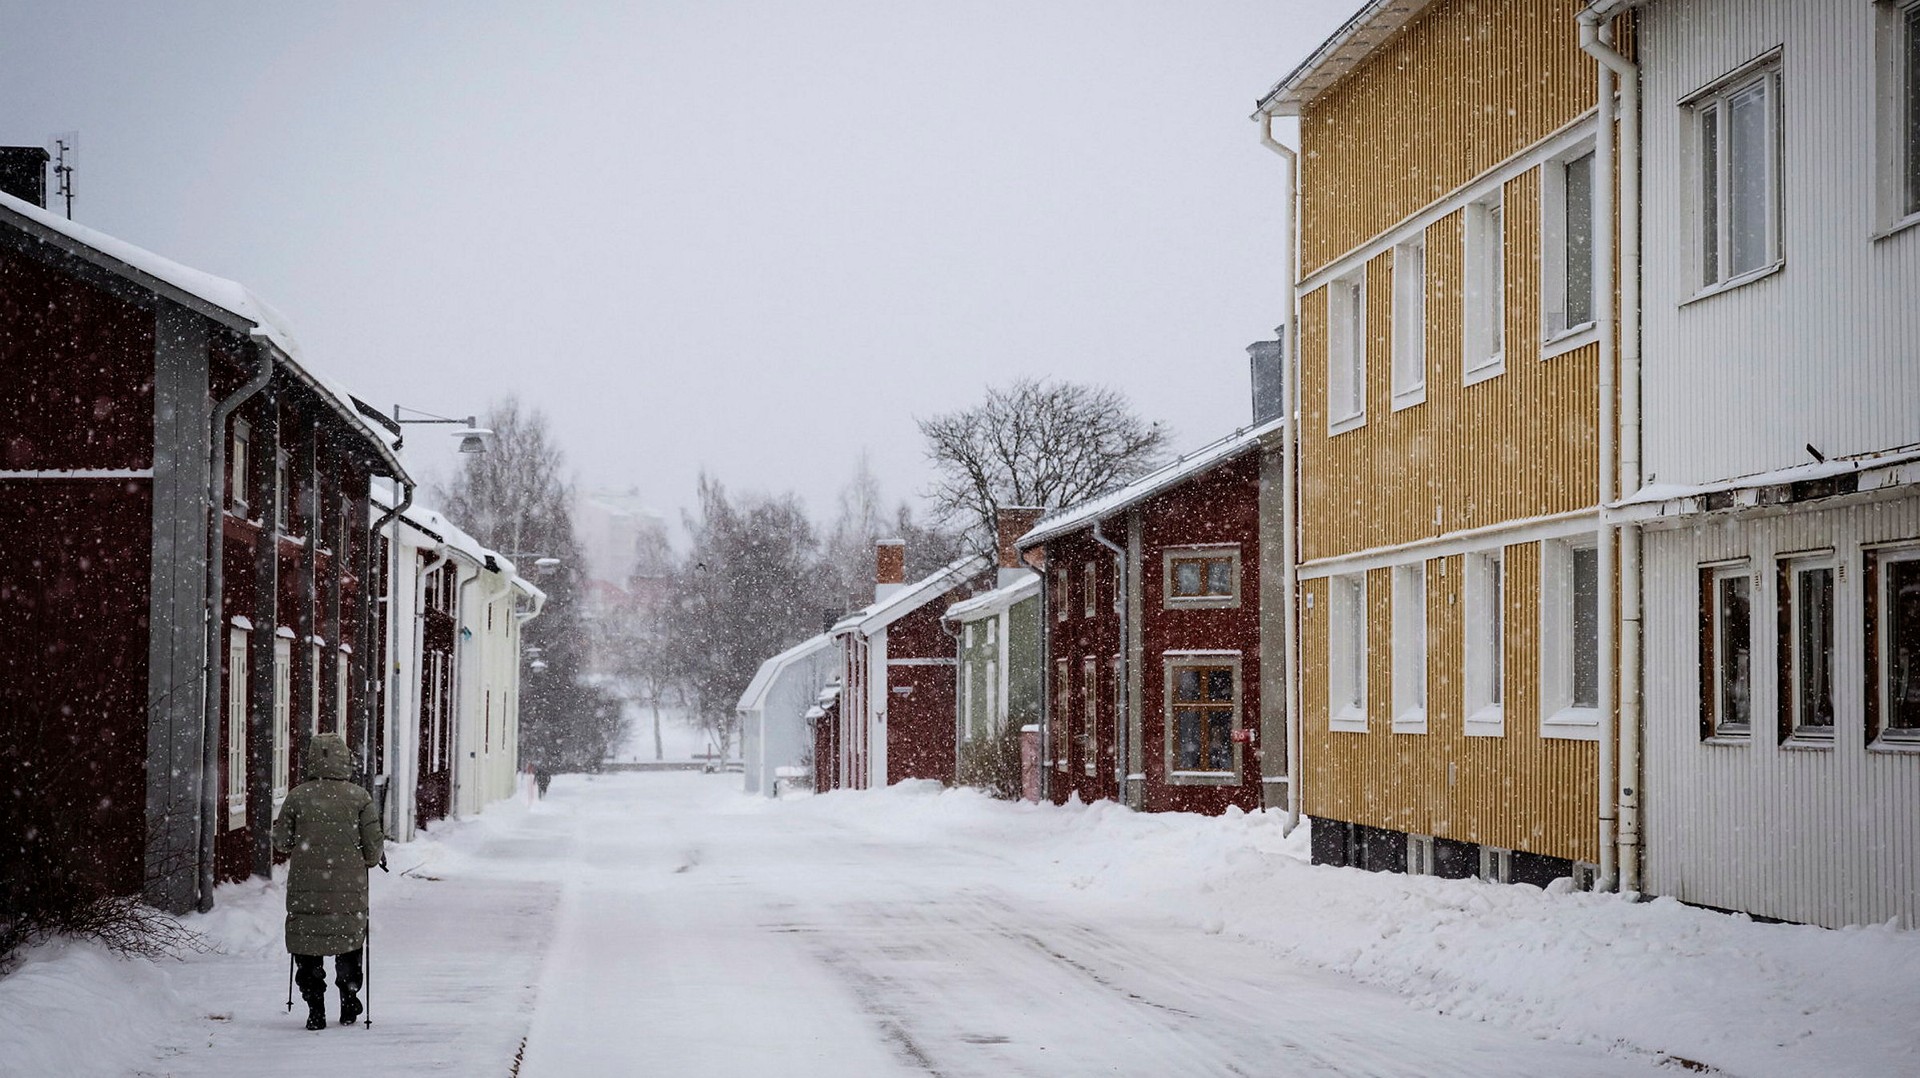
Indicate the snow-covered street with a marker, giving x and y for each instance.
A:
(665, 924)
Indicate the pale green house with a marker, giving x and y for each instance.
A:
(997, 680)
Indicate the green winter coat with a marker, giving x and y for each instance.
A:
(332, 831)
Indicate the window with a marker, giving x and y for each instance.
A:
(1569, 640)
(1737, 135)
(1893, 645)
(1410, 322)
(967, 718)
(282, 492)
(1496, 864)
(1485, 644)
(1910, 99)
(1483, 267)
(1347, 653)
(1201, 576)
(1347, 352)
(282, 715)
(1419, 855)
(1062, 715)
(1089, 712)
(1410, 648)
(1060, 597)
(236, 728)
(967, 635)
(1089, 591)
(1726, 651)
(992, 725)
(237, 460)
(313, 718)
(1566, 261)
(1203, 706)
(340, 691)
(1806, 648)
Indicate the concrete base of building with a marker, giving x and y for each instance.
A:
(1382, 849)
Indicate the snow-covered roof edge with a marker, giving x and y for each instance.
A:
(184, 283)
(452, 537)
(994, 601)
(1341, 52)
(910, 598)
(1668, 496)
(755, 693)
(1075, 517)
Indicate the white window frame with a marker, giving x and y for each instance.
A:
(282, 716)
(966, 633)
(1793, 730)
(1420, 855)
(993, 724)
(1090, 591)
(313, 725)
(966, 699)
(1063, 602)
(1713, 689)
(238, 454)
(1560, 716)
(1496, 865)
(1060, 736)
(1170, 556)
(238, 671)
(1559, 334)
(340, 698)
(1483, 263)
(1707, 109)
(1347, 650)
(1410, 648)
(1089, 713)
(1410, 321)
(1885, 736)
(1897, 117)
(1347, 351)
(1485, 643)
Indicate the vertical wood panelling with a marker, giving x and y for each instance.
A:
(1462, 87)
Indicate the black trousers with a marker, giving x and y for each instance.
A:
(310, 973)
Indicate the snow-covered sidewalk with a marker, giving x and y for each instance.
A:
(665, 924)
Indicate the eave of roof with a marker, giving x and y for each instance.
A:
(754, 695)
(994, 601)
(1340, 53)
(886, 611)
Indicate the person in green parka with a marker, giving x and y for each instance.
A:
(331, 831)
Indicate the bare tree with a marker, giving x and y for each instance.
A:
(1032, 443)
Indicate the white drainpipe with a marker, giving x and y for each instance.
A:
(1619, 821)
(1289, 464)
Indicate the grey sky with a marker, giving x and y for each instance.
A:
(754, 237)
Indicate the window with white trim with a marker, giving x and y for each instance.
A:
(1806, 592)
(992, 725)
(1347, 351)
(1485, 652)
(1893, 645)
(1410, 321)
(1569, 639)
(967, 718)
(1410, 648)
(282, 716)
(238, 455)
(237, 668)
(1566, 234)
(1203, 715)
(1736, 135)
(1419, 855)
(1200, 576)
(1496, 864)
(1909, 68)
(1089, 591)
(1061, 599)
(1484, 287)
(1347, 652)
(1089, 712)
(1062, 717)
(313, 718)
(1726, 658)
(282, 493)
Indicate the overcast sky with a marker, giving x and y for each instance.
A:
(754, 238)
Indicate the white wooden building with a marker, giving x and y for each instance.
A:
(774, 735)
(1778, 493)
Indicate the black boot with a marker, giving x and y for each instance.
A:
(349, 1008)
(317, 1013)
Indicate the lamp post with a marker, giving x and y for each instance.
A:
(473, 436)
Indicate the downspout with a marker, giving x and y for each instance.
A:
(1121, 720)
(216, 618)
(1289, 467)
(1620, 850)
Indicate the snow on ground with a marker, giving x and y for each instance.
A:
(666, 924)
(680, 740)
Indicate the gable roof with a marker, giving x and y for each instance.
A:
(1344, 50)
(1073, 518)
(884, 612)
(994, 601)
(754, 696)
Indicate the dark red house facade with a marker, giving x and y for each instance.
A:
(1155, 610)
(183, 546)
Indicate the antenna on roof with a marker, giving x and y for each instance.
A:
(66, 154)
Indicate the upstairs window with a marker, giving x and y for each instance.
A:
(1347, 352)
(1410, 322)
(1910, 99)
(1089, 590)
(1484, 288)
(1202, 577)
(1726, 651)
(238, 455)
(1806, 657)
(1737, 134)
(1061, 599)
(1567, 240)
(282, 493)
(1897, 62)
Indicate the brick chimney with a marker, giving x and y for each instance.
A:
(23, 173)
(1011, 522)
(889, 567)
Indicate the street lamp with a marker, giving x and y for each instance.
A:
(473, 437)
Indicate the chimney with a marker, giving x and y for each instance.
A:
(889, 567)
(1268, 360)
(1011, 522)
(23, 173)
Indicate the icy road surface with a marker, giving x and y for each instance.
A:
(665, 924)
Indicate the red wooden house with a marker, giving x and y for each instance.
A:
(897, 681)
(1154, 602)
(183, 548)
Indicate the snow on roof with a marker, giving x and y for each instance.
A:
(1374, 23)
(1654, 493)
(886, 611)
(994, 601)
(452, 537)
(1206, 457)
(229, 296)
(756, 692)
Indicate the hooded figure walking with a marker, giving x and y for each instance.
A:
(332, 833)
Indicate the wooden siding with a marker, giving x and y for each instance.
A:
(1519, 445)
(1464, 86)
(1826, 836)
(1520, 791)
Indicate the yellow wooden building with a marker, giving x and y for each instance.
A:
(1450, 549)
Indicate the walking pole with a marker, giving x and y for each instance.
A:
(289, 982)
(366, 961)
